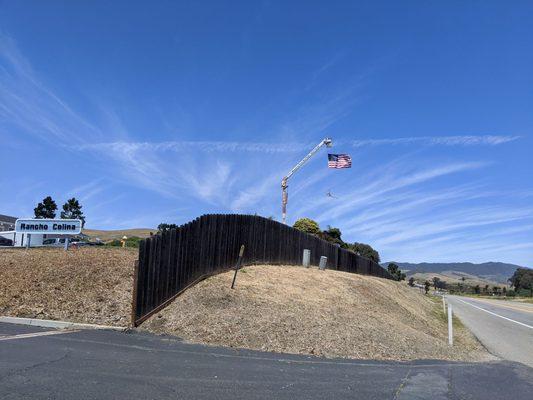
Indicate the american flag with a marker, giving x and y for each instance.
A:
(339, 161)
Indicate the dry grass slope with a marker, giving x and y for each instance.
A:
(453, 277)
(90, 285)
(285, 309)
(331, 313)
(118, 234)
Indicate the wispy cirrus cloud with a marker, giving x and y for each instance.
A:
(469, 217)
(175, 170)
(201, 145)
(392, 177)
(467, 140)
(290, 147)
(27, 104)
(87, 190)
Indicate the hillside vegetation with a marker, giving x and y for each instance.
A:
(455, 277)
(307, 311)
(118, 234)
(490, 271)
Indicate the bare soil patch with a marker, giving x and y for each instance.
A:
(307, 311)
(89, 285)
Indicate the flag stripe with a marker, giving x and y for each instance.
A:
(339, 161)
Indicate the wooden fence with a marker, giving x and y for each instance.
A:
(171, 261)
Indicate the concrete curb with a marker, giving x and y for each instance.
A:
(46, 323)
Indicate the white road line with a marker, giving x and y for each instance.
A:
(497, 315)
(35, 334)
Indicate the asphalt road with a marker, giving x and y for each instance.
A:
(40, 363)
(504, 327)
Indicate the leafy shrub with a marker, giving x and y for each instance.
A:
(307, 225)
(130, 242)
(365, 250)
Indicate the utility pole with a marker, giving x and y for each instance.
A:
(284, 194)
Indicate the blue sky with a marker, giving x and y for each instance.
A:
(161, 112)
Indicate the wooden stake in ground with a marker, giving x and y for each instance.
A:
(134, 294)
(238, 265)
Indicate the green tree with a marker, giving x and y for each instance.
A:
(46, 209)
(476, 289)
(496, 290)
(427, 285)
(393, 268)
(72, 210)
(165, 227)
(333, 235)
(395, 271)
(411, 281)
(527, 282)
(436, 281)
(307, 225)
(486, 289)
(522, 279)
(365, 250)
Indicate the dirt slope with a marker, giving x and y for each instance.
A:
(90, 285)
(329, 313)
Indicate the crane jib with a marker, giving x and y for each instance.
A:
(284, 195)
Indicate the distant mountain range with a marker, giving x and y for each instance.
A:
(492, 271)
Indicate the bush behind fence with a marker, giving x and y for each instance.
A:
(173, 260)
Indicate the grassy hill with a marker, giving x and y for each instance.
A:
(118, 234)
(497, 272)
(455, 277)
(307, 311)
(276, 308)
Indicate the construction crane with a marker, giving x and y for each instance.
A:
(284, 194)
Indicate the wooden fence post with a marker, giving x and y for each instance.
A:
(134, 295)
(239, 260)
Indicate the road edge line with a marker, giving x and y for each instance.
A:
(47, 323)
(497, 315)
(35, 334)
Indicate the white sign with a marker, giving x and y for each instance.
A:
(48, 226)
